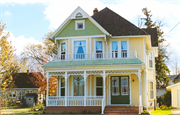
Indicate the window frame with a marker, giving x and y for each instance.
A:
(65, 42)
(73, 86)
(98, 86)
(151, 90)
(117, 94)
(77, 22)
(102, 40)
(12, 94)
(150, 59)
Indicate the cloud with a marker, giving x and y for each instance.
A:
(7, 13)
(20, 42)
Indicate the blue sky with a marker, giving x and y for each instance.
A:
(29, 20)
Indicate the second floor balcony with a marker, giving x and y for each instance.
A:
(95, 56)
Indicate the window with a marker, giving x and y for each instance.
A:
(150, 60)
(79, 49)
(99, 86)
(63, 51)
(78, 86)
(12, 93)
(80, 25)
(123, 48)
(62, 87)
(124, 86)
(151, 89)
(115, 49)
(115, 85)
(99, 50)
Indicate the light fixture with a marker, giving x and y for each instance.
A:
(133, 80)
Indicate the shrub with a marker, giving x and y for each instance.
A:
(145, 112)
(165, 99)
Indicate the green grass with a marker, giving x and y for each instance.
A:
(161, 112)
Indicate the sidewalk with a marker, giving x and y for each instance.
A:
(175, 111)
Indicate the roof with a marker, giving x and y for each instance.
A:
(118, 26)
(177, 77)
(23, 80)
(172, 76)
(115, 24)
(93, 62)
(153, 33)
(175, 85)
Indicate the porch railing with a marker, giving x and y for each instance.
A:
(75, 100)
(90, 56)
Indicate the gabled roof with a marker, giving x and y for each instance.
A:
(171, 77)
(153, 33)
(23, 80)
(115, 24)
(177, 77)
(73, 16)
(177, 85)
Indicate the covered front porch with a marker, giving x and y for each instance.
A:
(98, 88)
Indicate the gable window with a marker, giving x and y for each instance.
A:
(62, 87)
(78, 86)
(80, 25)
(63, 51)
(150, 57)
(151, 89)
(99, 86)
(115, 49)
(79, 49)
(99, 50)
(123, 48)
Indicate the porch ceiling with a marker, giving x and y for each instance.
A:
(129, 61)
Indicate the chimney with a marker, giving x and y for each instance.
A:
(27, 72)
(95, 11)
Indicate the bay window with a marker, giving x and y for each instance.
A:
(78, 86)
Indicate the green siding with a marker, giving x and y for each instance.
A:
(90, 29)
(93, 62)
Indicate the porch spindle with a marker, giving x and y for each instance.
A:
(65, 88)
(47, 93)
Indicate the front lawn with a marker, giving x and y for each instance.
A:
(160, 112)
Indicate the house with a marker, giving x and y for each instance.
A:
(102, 60)
(24, 89)
(175, 95)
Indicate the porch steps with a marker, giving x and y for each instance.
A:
(121, 110)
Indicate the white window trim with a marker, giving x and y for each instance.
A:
(100, 39)
(83, 39)
(79, 21)
(128, 85)
(150, 89)
(119, 45)
(98, 86)
(66, 49)
(73, 84)
(152, 60)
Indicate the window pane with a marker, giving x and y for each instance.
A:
(98, 45)
(151, 95)
(99, 91)
(62, 91)
(150, 63)
(78, 86)
(114, 46)
(62, 82)
(123, 45)
(80, 26)
(79, 49)
(151, 85)
(63, 47)
(99, 81)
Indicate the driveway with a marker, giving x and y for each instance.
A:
(175, 111)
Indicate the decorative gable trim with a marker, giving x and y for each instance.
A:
(79, 13)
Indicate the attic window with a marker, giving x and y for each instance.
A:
(80, 25)
(78, 15)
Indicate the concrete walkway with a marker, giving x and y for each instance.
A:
(176, 111)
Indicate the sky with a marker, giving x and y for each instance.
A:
(29, 20)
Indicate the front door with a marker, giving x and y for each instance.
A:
(120, 90)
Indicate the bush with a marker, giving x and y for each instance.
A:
(145, 112)
(165, 99)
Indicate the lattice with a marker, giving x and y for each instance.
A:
(75, 72)
(120, 71)
(56, 73)
(94, 72)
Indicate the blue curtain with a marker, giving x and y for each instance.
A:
(114, 46)
(98, 45)
(79, 49)
(123, 45)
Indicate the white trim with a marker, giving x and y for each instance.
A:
(150, 90)
(135, 36)
(85, 15)
(172, 85)
(102, 84)
(79, 21)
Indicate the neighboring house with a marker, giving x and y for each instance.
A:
(102, 60)
(175, 94)
(24, 88)
(173, 79)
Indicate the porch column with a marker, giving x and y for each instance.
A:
(65, 88)
(57, 89)
(140, 90)
(84, 88)
(47, 90)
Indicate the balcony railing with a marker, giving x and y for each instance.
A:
(91, 56)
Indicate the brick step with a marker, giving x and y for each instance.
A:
(121, 109)
(121, 113)
(122, 106)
